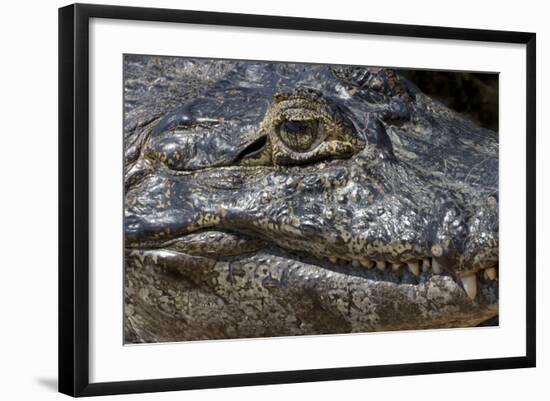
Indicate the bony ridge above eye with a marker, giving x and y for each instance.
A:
(303, 128)
(296, 128)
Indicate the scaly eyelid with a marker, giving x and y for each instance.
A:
(326, 149)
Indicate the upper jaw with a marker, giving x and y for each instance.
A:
(266, 206)
(219, 242)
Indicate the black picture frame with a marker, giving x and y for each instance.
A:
(74, 194)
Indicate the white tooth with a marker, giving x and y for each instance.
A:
(369, 264)
(414, 268)
(395, 266)
(491, 273)
(333, 259)
(381, 265)
(485, 275)
(436, 267)
(470, 285)
(426, 265)
(355, 263)
(437, 250)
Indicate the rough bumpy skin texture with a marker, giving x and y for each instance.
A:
(272, 199)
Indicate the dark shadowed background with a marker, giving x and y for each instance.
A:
(474, 95)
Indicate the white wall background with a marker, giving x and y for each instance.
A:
(28, 201)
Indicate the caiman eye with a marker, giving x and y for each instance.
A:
(302, 127)
(300, 136)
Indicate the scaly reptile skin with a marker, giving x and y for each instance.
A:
(271, 199)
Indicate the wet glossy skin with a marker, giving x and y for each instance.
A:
(336, 167)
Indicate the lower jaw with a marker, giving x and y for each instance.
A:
(270, 293)
(206, 247)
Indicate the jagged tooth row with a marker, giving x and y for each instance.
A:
(469, 281)
(369, 264)
(426, 264)
(490, 273)
(413, 266)
(396, 266)
(436, 267)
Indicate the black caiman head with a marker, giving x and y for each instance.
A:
(305, 199)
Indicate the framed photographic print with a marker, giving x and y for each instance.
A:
(319, 193)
